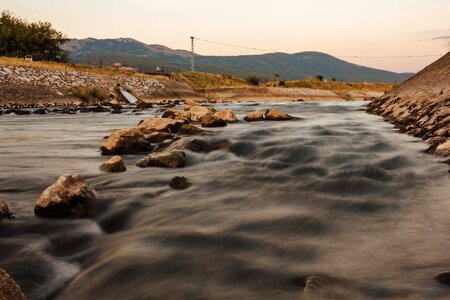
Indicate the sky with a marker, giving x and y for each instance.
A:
(376, 31)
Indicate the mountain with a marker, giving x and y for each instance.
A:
(289, 66)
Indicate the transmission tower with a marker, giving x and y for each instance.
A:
(192, 54)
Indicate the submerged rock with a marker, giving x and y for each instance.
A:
(210, 120)
(114, 164)
(125, 141)
(158, 137)
(40, 111)
(277, 115)
(9, 289)
(194, 145)
(227, 115)
(190, 129)
(4, 211)
(168, 159)
(69, 196)
(443, 278)
(254, 116)
(179, 183)
(160, 124)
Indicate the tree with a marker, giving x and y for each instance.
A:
(253, 80)
(19, 38)
(319, 77)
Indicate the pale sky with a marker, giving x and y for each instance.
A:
(341, 28)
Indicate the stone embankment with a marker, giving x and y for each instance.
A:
(24, 85)
(421, 106)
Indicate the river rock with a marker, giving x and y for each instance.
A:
(40, 111)
(197, 112)
(158, 137)
(69, 196)
(160, 124)
(114, 165)
(190, 129)
(227, 115)
(194, 145)
(177, 114)
(443, 278)
(254, 116)
(277, 115)
(125, 141)
(4, 211)
(179, 183)
(167, 159)
(210, 120)
(9, 289)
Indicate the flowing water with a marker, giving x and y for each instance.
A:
(336, 192)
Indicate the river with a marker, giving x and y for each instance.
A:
(336, 192)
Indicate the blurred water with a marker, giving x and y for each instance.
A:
(336, 192)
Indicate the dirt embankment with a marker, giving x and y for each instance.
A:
(22, 86)
(421, 105)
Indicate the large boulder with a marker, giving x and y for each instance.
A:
(277, 115)
(197, 112)
(254, 116)
(158, 137)
(160, 124)
(69, 196)
(210, 120)
(114, 165)
(9, 289)
(227, 115)
(4, 211)
(190, 129)
(167, 159)
(125, 141)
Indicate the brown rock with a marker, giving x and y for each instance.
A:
(227, 115)
(177, 114)
(9, 289)
(125, 141)
(190, 129)
(69, 196)
(210, 120)
(158, 137)
(254, 116)
(4, 211)
(160, 124)
(276, 115)
(443, 278)
(114, 164)
(168, 159)
(197, 112)
(179, 183)
(194, 145)
(143, 105)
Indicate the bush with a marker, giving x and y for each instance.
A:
(281, 83)
(91, 94)
(319, 77)
(253, 80)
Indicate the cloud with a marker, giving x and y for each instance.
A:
(443, 37)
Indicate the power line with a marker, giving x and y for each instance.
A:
(319, 54)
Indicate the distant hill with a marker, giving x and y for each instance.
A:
(289, 66)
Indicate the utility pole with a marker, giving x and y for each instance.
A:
(192, 55)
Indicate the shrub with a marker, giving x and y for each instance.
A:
(281, 83)
(253, 80)
(91, 94)
(319, 77)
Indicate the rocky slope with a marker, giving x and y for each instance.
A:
(421, 105)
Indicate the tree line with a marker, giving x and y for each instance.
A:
(19, 38)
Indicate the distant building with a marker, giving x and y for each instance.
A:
(117, 64)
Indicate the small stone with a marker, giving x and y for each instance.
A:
(69, 196)
(180, 183)
(158, 137)
(4, 211)
(210, 120)
(254, 116)
(114, 165)
(9, 289)
(168, 159)
(276, 115)
(443, 278)
(227, 115)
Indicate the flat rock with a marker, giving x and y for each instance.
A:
(227, 115)
(197, 112)
(69, 196)
(254, 116)
(179, 183)
(190, 129)
(167, 159)
(160, 124)
(125, 141)
(159, 137)
(210, 120)
(9, 289)
(276, 115)
(114, 165)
